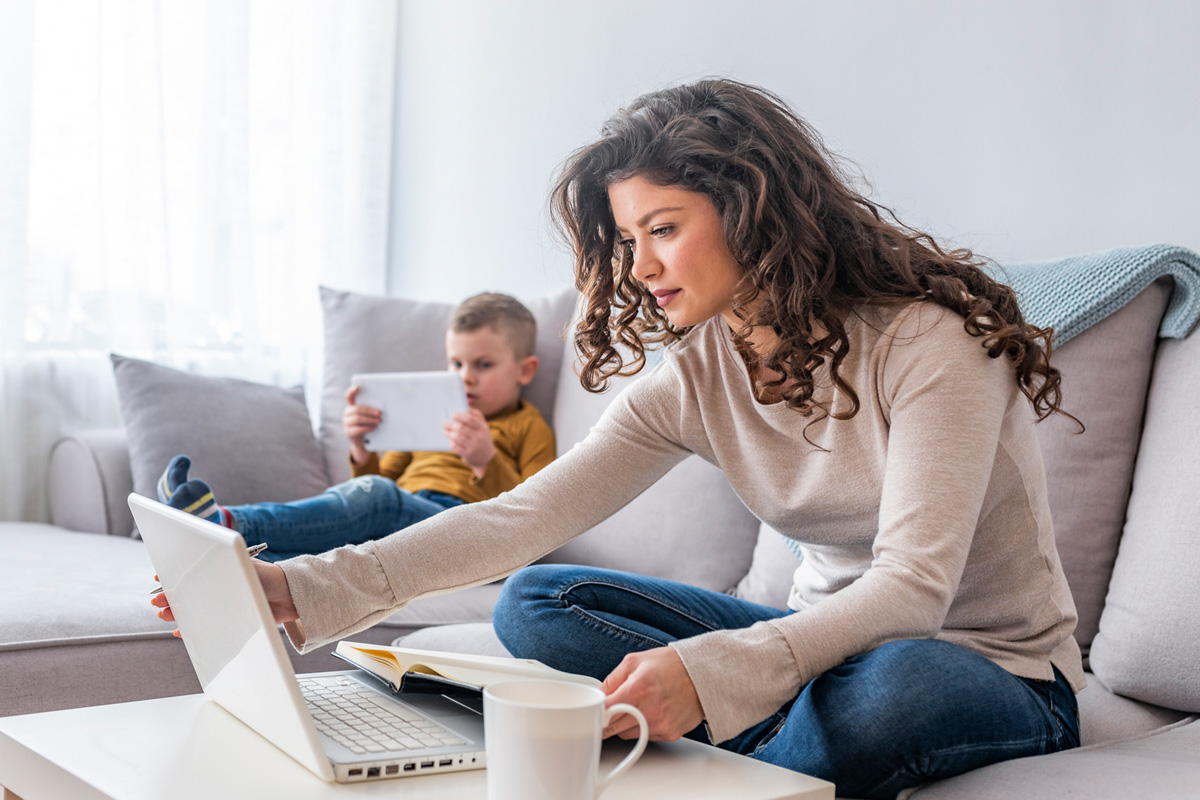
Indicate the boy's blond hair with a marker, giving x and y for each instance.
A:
(506, 315)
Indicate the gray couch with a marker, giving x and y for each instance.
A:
(76, 628)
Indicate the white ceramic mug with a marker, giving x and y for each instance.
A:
(543, 740)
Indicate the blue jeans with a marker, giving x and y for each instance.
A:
(357, 511)
(904, 713)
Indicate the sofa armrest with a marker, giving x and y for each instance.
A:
(88, 481)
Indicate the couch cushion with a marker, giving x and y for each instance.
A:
(57, 584)
(454, 608)
(1149, 640)
(1106, 717)
(1106, 372)
(1158, 766)
(78, 627)
(366, 333)
(690, 526)
(478, 638)
(250, 442)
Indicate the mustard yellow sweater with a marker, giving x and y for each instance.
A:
(524, 444)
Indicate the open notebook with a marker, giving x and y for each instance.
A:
(396, 665)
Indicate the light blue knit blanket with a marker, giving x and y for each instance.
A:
(1072, 294)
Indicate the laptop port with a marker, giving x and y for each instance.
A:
(392, 769)
(355, 772)
(426, 764)
(373, 772)
(409, 767)
(449, 762)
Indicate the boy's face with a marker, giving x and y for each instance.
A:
(491, 372)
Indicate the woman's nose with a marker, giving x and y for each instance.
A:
(645, 266)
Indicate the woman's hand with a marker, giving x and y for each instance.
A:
(471, 438)
(357, 422)
(275, 587)
(657, 684)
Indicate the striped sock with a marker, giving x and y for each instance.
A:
(174, 476)
(192, 497)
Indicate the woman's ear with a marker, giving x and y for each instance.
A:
(529, 368)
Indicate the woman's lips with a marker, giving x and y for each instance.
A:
(665, 297)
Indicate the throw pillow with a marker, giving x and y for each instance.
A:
(1106, 372)
(250, 442)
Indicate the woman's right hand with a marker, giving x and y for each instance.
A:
(357, 422)
(275, 587)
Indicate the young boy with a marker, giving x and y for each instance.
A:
(499, 443)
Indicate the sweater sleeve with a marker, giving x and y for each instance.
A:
(634, 444)
(947, 401)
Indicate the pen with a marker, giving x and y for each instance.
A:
(253, 551)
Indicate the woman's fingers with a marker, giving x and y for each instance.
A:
(160, 601)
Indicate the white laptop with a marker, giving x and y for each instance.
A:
(344, 726)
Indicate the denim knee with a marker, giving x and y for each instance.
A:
(361, 487)
(520, 596)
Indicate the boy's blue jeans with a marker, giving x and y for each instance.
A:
(357, 511)
(903, 713)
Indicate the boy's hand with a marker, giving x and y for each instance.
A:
(357, 422)
(471, 438)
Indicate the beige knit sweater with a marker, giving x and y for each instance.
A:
(925, 515)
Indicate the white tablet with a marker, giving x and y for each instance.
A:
(415, 406)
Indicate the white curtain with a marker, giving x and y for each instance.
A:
(176, 179)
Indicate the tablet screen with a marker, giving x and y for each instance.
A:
(415, 406)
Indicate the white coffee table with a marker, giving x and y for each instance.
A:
(185, 748)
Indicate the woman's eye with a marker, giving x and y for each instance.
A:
(662, 231)
(626, 243)
(485, 364)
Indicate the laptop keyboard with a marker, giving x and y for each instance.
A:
(361, 721)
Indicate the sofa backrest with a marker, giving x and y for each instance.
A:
(1148, 645)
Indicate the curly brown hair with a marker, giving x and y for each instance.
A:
(810, 247)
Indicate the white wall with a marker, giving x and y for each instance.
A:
(1024, 130)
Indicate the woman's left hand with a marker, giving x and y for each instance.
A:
(656, 683)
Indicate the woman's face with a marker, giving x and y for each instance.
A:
(679, 249)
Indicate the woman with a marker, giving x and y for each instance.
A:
(867, 394)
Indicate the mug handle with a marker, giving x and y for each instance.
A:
(639, 748)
